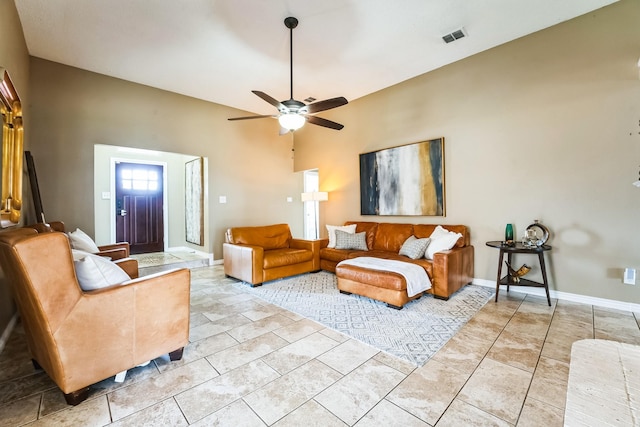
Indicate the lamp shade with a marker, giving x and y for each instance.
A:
(315, 196)
(291, 121)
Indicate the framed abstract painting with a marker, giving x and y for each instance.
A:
(405, 180)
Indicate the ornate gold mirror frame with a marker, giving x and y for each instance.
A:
(12, 147)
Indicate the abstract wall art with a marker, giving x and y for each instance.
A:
(405, 180)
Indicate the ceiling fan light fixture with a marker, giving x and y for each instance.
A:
(291, 121)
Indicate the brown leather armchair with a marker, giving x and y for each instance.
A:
(259, 254)
(80, 338)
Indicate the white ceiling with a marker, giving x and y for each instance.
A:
(220, 50)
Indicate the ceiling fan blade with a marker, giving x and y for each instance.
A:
(251, 117)
(324, 122)
(327, 104)
(270, 100)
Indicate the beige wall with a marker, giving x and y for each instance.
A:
(15, 59)
(105, 157)
(545, 127)
(74, 109)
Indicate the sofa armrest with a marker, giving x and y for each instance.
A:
(244, 262)
(312, 245)
(115, 250)
(323, 243)
(129, 265)
(452, 270)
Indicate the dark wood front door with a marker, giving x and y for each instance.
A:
(139, 196)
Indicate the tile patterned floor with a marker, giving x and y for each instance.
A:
(254, 364)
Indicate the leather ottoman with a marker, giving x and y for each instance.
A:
(385, 286)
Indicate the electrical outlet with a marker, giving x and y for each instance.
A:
(629, 276)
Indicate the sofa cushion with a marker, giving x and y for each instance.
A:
(281, 257)
(335, 255)
(441, 240)
(268, 237)
(390, 237)
(331, 230)
(414, 248)
(351, 240)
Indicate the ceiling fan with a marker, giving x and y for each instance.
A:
(293, 114)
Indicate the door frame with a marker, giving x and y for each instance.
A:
(112, 201)
(311, 211)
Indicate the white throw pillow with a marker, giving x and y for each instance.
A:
(96, 272)
(331, 229)
(441, 240)
(414, 248)
(81, 241)
(78, 254)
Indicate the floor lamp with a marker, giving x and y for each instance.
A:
(315, 197)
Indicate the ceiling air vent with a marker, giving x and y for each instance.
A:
(457, 34)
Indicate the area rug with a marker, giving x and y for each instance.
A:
(154, 259)
(414, 333)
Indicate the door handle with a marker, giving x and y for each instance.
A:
(123, 212)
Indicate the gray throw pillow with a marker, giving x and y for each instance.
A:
(414, 248)
(346, 240)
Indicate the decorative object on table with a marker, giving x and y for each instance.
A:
(536, 234)
(515, 275)
(508, 235)
(406, 180)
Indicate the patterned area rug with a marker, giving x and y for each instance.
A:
(156, 258)
(414, 333)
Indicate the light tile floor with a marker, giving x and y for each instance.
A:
(254, 364)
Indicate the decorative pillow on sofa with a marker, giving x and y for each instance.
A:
(441, 240)
(80, 240)
(414, 248)
(96, 272)
(346, 240)
(331, 229)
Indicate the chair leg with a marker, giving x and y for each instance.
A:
(76, 397)
(176, 354)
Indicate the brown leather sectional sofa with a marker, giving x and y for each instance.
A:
(259, 254)
(449, 271)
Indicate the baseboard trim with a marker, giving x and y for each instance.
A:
(7, 331)
(583, 299)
